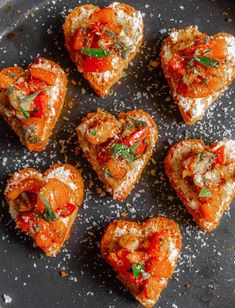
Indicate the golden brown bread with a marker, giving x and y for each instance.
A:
(27, 179)
(118, 229)
(128, 19)
(224, 191)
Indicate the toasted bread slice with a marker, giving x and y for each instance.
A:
(204, 178)
(143, 255)
(45, 205)
(31, 101)
(118, 149)
(198, 69)
(124, 27)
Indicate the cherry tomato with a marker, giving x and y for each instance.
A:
(40, 103)
(96, 65)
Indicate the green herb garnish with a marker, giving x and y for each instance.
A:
(139, 122)
(48, 213)
(122, 150)
(110, 34)
(107, 173)
(37, 227)
(208, 62)
(205, 193)
(29, 98)
(25, 113)
(95, 52)
(92, 132)
(137, 269)
(9, 91)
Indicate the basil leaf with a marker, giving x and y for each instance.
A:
(95, 52)
(25, 113)
(9, 91)
(139, 122)
(137, 269)
(107, 173)
(205, 193)
(48, 213)
(208, 62)
(121, 150)
(29, 98)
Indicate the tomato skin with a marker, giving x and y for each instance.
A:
(220, 158)
(40, 104)
(106, 16)
(155, 243)
(26, 220)
(96, 65)
(67, 210)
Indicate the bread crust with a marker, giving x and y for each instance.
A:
(121, 189)
(16, 125)
(148, 227)
(18, 179)
(172, 163)
(101, 87)
(188, 108)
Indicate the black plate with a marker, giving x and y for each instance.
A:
(205, 272)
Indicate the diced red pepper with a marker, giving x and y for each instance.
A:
(40, 103)
(155, 244)
(130, 276)
(26, 220)
(96, 65)
(141, 148)
(220, 156)
(67, 210)
(177, 64)
(36, 85)
(139, 135)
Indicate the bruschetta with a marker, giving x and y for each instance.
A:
(102, 42)
(204, 178)
(144, 256)
(45, 205)
(31, 100)
(198, 68)
(118, 149)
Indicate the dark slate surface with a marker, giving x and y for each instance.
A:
(205, 276)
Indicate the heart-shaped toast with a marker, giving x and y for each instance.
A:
(31, 100)
(45, 205)
(102, 42)
(118, 149)
(143, 255)
(204, 178)
(198, 68)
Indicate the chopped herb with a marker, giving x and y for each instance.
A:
(30, 98)
(208, 62)
(121, 150)
(206, 81)
(25, 113)
(137, 269)
(37, 228)
(9, 91)
(205, 193)
(95, 52)
(110, 34)
(207, 39)
(48, 213)
(139, 122)
(92, 132)
(107, 173)
(35, 139)
(11, 75)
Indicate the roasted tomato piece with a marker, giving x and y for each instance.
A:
(130, 277)
(79, 39)
(36, 85)
(56, 193)
(209, 209)
(152, 287)
(117, 167)
(97, 65)
(66, 210)
(177, 64)
(159, 268)
(220, 156)
(26, 221)
(156, 244)
(139, 135)
(5, 81)
(13, 72)
(106, 16)
(119, 260)
(40, 103)
(43, 75)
